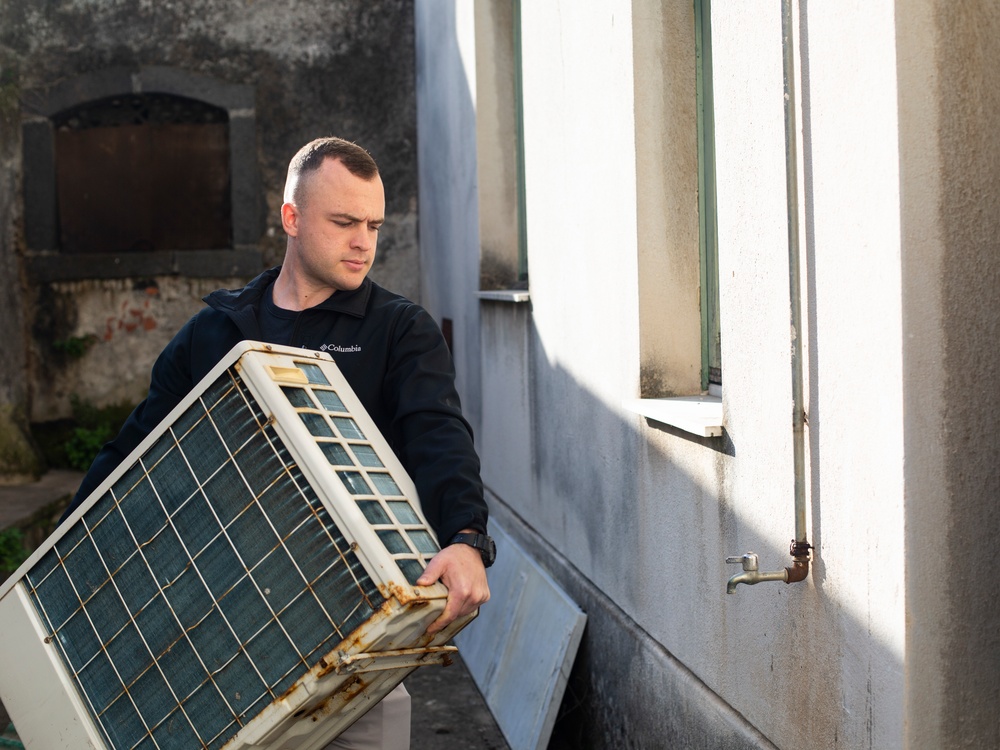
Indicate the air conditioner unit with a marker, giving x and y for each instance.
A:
(245, 579)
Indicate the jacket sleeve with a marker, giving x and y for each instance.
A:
(433, 440)
(170, 381)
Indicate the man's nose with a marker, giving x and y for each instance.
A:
(364, 238)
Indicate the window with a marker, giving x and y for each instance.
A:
(503, 229)
(711, 349)
(522, 202)
(675, 210)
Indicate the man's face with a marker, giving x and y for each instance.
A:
(334, 226)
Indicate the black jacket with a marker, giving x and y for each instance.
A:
(391, 352)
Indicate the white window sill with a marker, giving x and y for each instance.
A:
(700, 415)
(505, 295)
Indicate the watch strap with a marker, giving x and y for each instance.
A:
(481, 542)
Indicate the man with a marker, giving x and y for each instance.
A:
(389, 349)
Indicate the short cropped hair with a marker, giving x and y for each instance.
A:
(311, 156)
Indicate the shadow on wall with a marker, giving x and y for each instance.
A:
(635, 522)
(449, 208)
(630, 520)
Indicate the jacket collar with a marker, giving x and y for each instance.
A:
(354, 302)
(237, 301)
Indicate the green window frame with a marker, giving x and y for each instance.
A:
(711, 347)
(522, 200)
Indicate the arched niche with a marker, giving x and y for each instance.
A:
(140, 172)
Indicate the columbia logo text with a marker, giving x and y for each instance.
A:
(339, 348)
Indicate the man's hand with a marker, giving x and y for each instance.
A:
(460, 568)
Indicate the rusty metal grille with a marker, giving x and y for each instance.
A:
(202, 585)
(138, 109)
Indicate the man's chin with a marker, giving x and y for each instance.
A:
(350, 284)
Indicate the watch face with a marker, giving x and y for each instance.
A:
(490, 553)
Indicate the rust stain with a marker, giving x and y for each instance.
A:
(351, 689)
(325, 669)
(393, 590)
(348, 692)
(354, 642)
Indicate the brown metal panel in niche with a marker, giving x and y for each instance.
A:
(143, 187)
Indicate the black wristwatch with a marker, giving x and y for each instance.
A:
(487, 548)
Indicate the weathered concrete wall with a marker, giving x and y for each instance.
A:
(343, 69)
(18, 459)
(950, 181)
(129, 322)
(496, 119)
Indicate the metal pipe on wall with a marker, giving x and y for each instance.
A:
(800, 547)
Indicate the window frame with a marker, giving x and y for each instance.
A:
(711, 356)
(522, 195)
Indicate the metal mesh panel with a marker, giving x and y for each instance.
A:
(362, 472)
(203, 584)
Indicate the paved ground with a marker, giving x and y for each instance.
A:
(448, 711)
(19, 502)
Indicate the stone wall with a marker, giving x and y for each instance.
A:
(94, 324)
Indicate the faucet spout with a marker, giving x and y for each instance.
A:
(755, 576)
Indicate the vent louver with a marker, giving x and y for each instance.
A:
(246, 572)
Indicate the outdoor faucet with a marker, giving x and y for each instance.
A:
(797, 571)
(751, 574)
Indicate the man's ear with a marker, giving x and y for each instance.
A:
(290, 219)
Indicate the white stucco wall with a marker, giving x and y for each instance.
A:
(853, 607)
(582, 266)
(858, 655)
(834, 643)
(858, 359)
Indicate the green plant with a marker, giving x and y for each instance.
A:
(75, 346)
(85, 414)
(84, 444)
(73, 442)
(12, 551)
(94, 427)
